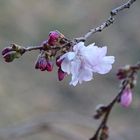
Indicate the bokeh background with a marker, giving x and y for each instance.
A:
(26, 93)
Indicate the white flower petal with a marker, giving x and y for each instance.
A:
(78, 46)
(102, 68)
(109, 59)
(74, 82)
(102, 51)
(105, 65)
(75, 66)
(70, 56)
(91, 45)
(67, 56)
(66, 66)
(85, 75)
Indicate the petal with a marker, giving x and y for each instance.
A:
(68, 56)
(104, 66)
(102, 51)
(109, 59)
(94, 54)
(91, 45)
(66, 66)
(85, 75)
(78, 46)
(102, 69)
(66, 63)
(74, 82)
(75, 66)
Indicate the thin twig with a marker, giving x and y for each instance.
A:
(108, 22)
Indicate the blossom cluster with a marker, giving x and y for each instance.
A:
(77, 59)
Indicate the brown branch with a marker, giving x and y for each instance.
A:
(130, 74)
(66, 44)
(108, 22)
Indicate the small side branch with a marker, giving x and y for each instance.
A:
(128, 77)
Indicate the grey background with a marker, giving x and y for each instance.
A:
(26, 93)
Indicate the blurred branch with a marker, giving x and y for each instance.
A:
(128, 77)
(108, 22)
(47, 123)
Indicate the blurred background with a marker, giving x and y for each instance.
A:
(27, 94)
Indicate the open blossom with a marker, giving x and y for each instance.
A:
(126, 97)
(83, 61)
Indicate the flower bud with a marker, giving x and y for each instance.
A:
(10, 56)
(100, 110)
(43, 64)
(126, 97)
(49, 66)
(121, 74)
(61, 74)
(53, 38)
(58, 62)
(6, 50)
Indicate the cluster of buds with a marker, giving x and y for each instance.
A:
(12, 52)
(128, 77)
(50, 50)
(55, 46)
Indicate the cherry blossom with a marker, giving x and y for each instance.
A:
(84, 61)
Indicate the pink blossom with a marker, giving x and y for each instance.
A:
(83, 61)
(126, 97)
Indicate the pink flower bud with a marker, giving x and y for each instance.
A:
(53, 38)
(61, 74)
(121, 74)
(49, 66)
(6, 50)
(10, 56)
(58, 63)
(126, 97)
(43, 64)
